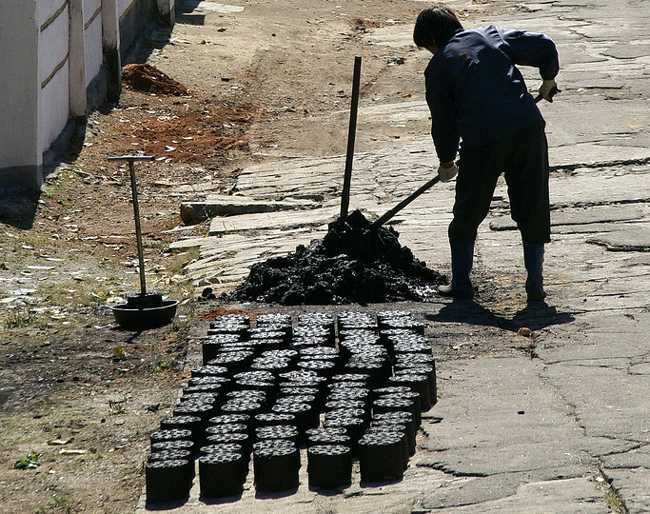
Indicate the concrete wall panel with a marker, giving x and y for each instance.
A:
(53, 46)
(48, 8)
(19, 157)
(53, 65)
(90, 8)
(54, 108)
(94, 49)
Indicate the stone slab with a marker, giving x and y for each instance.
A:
(571, 496)
(513, 400)
(627, 239)
(583, 216)
(211, 7)
(225, 260)
(277, 220)
(608, 401)
(224, 205)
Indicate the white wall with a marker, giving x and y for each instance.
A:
(93, 38)
(50, 52)
(19, 85)
(53, 57)
(46, 8)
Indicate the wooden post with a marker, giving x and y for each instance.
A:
(352, 133)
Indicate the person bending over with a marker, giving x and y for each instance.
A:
(478, 99)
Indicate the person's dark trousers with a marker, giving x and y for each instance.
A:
(523, 158)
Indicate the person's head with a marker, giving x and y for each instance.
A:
(434, 27)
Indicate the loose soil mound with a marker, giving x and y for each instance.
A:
(350, 264)
(144, 77)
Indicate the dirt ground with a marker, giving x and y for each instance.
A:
(75, 391)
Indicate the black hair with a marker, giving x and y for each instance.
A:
(435, 25)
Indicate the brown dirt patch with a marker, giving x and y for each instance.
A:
(192, 137)
(364, 25)
(226, 309)
(149, 79)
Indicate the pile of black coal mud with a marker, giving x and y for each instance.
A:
(351, 264)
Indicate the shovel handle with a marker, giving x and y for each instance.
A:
(136, 210)
(390, 214)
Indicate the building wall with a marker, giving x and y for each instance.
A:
(93, 38)
(53, 70)
(133, 18)
(59, 58)
(19, 155)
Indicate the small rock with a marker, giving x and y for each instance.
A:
(59, 442)
(73, 452)
(396, 61)
(524, 332)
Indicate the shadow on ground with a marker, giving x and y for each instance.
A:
(535, 316)
(18, 208)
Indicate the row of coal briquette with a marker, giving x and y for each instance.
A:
(346, 386)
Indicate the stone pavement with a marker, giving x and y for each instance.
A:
(558, 422)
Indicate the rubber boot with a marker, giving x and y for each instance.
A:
(462, 257)
(534, 262)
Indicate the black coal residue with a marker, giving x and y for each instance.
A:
(353, 263)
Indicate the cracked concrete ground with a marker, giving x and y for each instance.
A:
(555, 423)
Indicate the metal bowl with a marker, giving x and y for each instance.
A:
(133, 318)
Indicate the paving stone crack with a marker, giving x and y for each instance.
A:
(601, 164)
(439, 466)
(598, 203)
(572, 409)
(578, 361)
(595, 280)
(613, 496)
(623, 452)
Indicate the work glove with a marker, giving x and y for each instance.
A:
(548, 89)
(447, 171)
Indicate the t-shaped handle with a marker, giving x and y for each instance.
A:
(136, 210)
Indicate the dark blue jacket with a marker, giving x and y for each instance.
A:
(475, 91)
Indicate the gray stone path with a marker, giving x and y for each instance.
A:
(555, 423)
